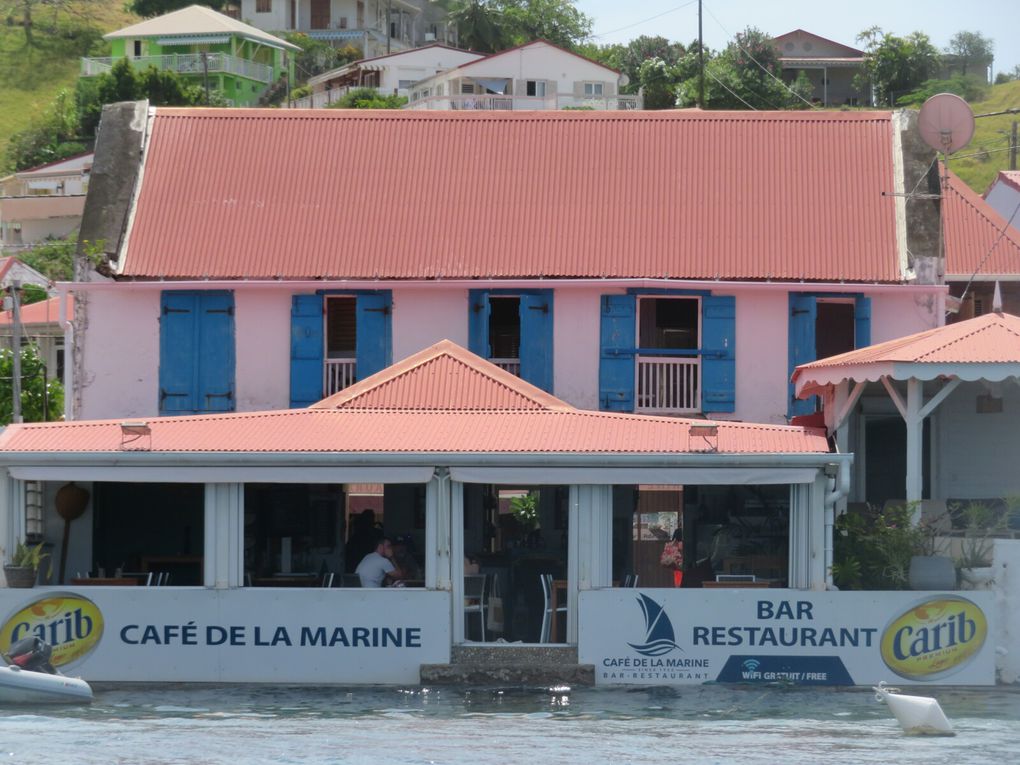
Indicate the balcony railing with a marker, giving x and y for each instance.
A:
(513, 366)
(318, 100)
(186, 63)
(338, 374)
(668, 385)
(525, 103)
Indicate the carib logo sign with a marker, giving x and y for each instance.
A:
(934, 638)
(71, 624)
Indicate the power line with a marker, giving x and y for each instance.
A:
(764, 69)
(753, 109)
(645, 21)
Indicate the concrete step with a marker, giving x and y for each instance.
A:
(510, 664)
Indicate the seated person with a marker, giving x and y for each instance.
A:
(403, 557)
(471, 565)
(377, 568)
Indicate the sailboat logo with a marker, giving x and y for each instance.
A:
(659, 636)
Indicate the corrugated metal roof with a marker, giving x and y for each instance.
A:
(197, 20)
(43, 312)
(440, 378)
(991, 338)
(976, 236)
(1010, 177)
(480, 411)
(234, 193)
(355, 431)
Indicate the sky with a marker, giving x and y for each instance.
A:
(617, 21)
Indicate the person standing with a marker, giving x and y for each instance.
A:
(673, 557)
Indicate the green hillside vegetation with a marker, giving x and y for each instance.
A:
(979, 163)
(32, 75)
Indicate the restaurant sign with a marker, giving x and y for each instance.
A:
(150, 634)
(673, 637)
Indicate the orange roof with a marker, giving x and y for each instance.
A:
(991, 339)
(974, 236)
(294, 194)
(414, 408)
(43, 312)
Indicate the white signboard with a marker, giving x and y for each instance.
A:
(245, 635)
(674, 637)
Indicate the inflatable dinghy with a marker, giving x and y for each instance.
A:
(27, 677)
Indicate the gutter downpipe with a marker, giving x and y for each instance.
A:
(68, 381)
(840, 489)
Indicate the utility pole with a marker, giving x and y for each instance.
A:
(205, 75)
(389, 24)
(1012, 147)
(16, 358)
(701, 63)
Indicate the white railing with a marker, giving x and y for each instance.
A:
(523, 103)
(338, 374)
(186, 63)
(668, 385)
(513, 366)
(319, 100)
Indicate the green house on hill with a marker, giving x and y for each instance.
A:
(235, 59)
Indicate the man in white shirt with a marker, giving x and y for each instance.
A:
(377, 567)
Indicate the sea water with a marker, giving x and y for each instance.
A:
(478, 726)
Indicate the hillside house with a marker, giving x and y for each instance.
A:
(830, 66)
(43, 203)
(221, 54)
(390, 74)
(1004, 196)
(536, 75)
(378, 27)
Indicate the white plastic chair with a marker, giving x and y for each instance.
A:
(630, 580)
(327, 579)
(474, 600)
(547, 612)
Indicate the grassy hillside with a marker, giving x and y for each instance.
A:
(30, 76)
(979, 163)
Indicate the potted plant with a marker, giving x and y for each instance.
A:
(975, 560)
(24, 566)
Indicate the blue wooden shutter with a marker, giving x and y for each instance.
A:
(178, 361)
(216, 352)
(374, 332)
(537, 338)
(862, 321)
(478, 323)
(803, 315)
(618, 344)
(306, 350)
(718, 353)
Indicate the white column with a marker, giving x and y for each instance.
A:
(589, 545)
(915, 431)
(456, 585)
(223, 557)
(8, 517)
(438, 541)
(817, 543)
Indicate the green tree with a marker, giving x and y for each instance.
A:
(894, 65)
(367, 98)
(658, 81)
(54, 259)
(489, 26)
(41, 400)
(745, 75)
(51, 137)
(971, 49)
(318, 56)
(643, 48)
(147, 8)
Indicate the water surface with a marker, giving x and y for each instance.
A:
(146, 725)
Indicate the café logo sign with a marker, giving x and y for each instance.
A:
(71, 624)
(934, 638)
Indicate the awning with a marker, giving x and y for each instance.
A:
(704, 476)
(495, 84)
(193, 40)
(238, 474)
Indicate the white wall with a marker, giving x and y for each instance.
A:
(1004, 200)
(762, 350)
(976, 453)
(576, 346)
(262, 327)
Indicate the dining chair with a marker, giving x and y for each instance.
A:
(547, 612)
(474, 599)
(350, 580)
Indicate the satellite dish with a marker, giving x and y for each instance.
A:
(624, 80)
(946, 123)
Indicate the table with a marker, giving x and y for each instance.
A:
(289, 580)
(95, 581)
(554, 599)
(759, 584)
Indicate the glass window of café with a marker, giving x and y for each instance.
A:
(314, 535)
(514, 536)
(732, 535)
(149, 533)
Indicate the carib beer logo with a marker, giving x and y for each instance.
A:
(71, 624)
(934, 638)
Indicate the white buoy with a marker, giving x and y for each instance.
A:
(917, 715)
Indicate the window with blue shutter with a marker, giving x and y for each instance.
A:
(823, 325)
(196, 352)
(618, 344)
(718, 353)
(514, 329)
(373, 341)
